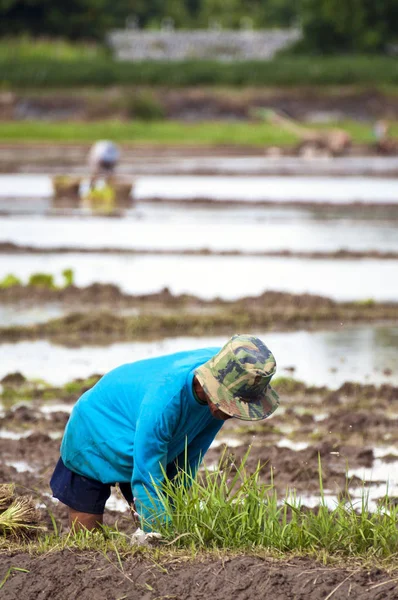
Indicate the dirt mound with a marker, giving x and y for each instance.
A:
(384, 392)
(272, 299)
(359, 421)
(193, 104)
(99, 295)
(93, 316)
(38, 449)
(11, 248)
(65, 575)
(13, 379)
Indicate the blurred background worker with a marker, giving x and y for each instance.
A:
(103, 158)
(385, 144)
(313, 141)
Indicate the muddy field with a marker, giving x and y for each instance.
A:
(336, 359)
(223, 159)
(343, 254)
(97, 314)
(354, 425)
(351, 428)
(200, 103)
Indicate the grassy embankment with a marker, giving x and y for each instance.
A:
(26, 64)
(167, 132)
(162, 132)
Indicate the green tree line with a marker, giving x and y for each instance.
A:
(338, 26)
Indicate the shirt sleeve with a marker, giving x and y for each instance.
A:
(153, 434)
(190, 460)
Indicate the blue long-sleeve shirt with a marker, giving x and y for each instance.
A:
(137, 420)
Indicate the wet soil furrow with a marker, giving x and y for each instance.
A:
(11, 248)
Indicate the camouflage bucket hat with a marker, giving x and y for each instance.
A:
(237, 379)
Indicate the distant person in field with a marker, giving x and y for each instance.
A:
(154, 416)
(103, 158)
(385, 144)
(380, 130)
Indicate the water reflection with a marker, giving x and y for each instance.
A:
(319, 358)
(340, 190)
(210, 276)
(168, 228)
(17, 315)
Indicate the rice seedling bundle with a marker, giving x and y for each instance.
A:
(18, 515)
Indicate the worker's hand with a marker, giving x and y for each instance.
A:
(140, 538)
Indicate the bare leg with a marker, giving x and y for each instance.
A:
(80, 520)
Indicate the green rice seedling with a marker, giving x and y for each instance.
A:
(42, 280)
(230, 509)
(68, 276)
(10, 281)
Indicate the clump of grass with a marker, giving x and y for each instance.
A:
(43, 280)
(369, 302)
(10, 280)
(79, 386)
(69, 277)
(230, 509)
(13, 391)
(18, 515)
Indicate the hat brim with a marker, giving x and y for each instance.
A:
(256, 410)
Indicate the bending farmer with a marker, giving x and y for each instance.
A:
(155, 416)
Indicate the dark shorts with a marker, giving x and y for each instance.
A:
(82, 493)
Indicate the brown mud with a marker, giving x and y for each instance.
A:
(97, 314)
(198, 103)
(66, 575)
(342, 427)
(342, 254)
(168, 159)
